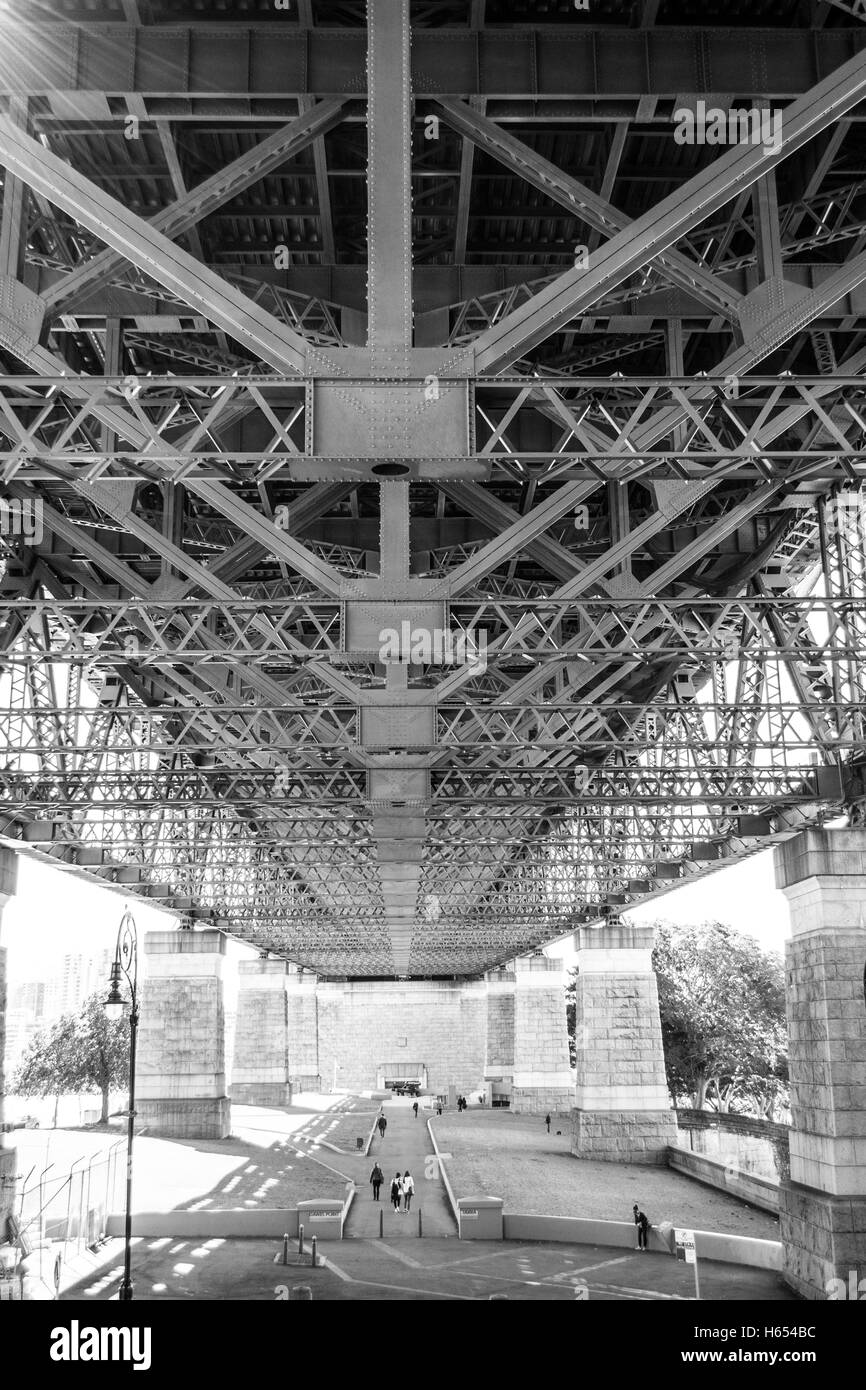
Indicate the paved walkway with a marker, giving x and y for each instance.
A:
(406, 1145)
(418, 1270)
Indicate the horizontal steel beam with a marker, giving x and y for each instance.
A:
(210, 64)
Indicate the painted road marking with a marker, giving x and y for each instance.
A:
(585, 1269)
(398, 1254)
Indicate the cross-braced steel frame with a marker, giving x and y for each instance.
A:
(432, 499)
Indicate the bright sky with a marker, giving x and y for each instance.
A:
(743, 896)
(55, 912)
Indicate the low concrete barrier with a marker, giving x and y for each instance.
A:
(579, 1230)
(710, 1245)
(232, 1224)
(322, 1217)
(370, 1137)
(760, 1192)
(449, 1193)
(480, 1218)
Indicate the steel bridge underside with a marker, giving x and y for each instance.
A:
(431, 495)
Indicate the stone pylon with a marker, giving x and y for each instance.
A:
(499, 1033)
(822, 1211)
(623, 1109)
(8, 1154)
(541, 1080)
(303, 1029)
(181, 1070)
(260, 1074)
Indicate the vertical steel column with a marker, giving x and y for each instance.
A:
(765, 204)
(389, 168)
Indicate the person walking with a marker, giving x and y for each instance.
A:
(408, 1189)
(642, 1227)
(547, 1122)
(383, 1125)
(396, 1191)
(377, 1177)
(415, 1108)
(439, 1109)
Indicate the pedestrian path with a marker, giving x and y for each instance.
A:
(406, 1145)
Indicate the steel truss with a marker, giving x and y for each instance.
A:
(216, 502)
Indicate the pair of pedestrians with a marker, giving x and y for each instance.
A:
(402, 1187)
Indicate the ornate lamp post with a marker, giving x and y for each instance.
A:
(126, 966)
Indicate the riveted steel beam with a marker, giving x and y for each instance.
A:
(657, 230)
(197, 203)
(138, 242)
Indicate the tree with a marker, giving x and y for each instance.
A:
(80, 1052)
(722, 1005)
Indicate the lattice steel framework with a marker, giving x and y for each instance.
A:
(431, 497)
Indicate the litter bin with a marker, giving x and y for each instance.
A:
(480, 1218)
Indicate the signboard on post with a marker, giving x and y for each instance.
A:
(687, 1250)
(686, 1246)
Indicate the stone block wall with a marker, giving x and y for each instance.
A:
(363, 1025)
(302, 1023)
(744, 1142)
(542, 1075)
(499, 1056)
(827, 1057)
(260, 1074)
(180, 1073)
(623, 1110)
(822, 1208)
(8, 1153)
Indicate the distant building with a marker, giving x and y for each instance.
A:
(36, 1004)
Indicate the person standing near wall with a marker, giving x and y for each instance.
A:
(642, 1227)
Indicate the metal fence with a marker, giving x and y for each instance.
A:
(72, 1205)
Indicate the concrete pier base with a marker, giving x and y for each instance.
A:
(822, 1211)
(622, 1107)
(260, 1075)
(541, 1079)
(8, 1153)
(180, 1076)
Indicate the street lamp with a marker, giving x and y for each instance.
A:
(126, 967)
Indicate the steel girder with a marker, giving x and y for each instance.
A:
(255, 429)
(685, 271)
(652, 234)
(226, 737)
(199, 67)
(198, 202)
(139, 242)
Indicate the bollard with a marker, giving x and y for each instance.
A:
(286, 1248)
(420, 1223)
(300, 1240)
(313, 1257)
(381, 1224)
